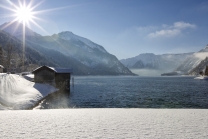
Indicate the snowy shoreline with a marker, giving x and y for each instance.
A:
(18, 93)
(201, 77)
(105, 123)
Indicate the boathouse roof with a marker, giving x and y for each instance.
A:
(56, 70)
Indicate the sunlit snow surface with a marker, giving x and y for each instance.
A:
(202, 78)
(105, 123)
(18, 93)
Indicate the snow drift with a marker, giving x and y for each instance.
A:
(18, 93)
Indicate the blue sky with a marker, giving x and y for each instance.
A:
(127, 28)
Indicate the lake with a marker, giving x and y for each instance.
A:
(132, 92)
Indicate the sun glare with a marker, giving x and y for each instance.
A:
(24, 14)
(23, 11)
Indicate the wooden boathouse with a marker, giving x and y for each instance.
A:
(58, 77)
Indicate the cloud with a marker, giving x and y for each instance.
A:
(171, 31)
(183, 25)
(166, 33)
(146, 29)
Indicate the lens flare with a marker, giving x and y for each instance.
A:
(24, 14)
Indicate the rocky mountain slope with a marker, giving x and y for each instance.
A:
(32, 57)
(69, 50)
(200, 67)
(38, 56)
(193, 61)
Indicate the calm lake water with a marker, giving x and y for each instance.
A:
(132, 92)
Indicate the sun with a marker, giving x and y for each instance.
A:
(24, 14)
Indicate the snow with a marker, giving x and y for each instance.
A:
(29, 77)
(57, 70)
(1, 66)
(18, 93)
(202, 78)
(167, 62)
(62, 70)
(105, 123)
(201, 55)
(67, 35)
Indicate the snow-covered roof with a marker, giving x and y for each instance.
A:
(61, 70)
(1, 66)
(56, 70)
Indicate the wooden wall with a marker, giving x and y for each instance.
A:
(44, 76)
(62, 80)
(59, 80)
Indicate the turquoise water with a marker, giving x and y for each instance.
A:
(132, 92)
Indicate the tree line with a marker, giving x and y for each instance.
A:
(10, 58)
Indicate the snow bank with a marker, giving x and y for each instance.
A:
(29, 77)
(19, 93)
(202, 78)
(105, 123)
(201, 55)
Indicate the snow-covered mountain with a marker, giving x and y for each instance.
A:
(186, 63)
(83, 50)
(205, 49)
(193, 61)
(200, 67)
(89, 45)
(165, 62)
(66, 49)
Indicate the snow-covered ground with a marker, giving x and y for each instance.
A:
(201, 78)
(105, 123)
(18, 93)
(29, 77)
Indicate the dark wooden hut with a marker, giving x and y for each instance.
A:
(59, 77)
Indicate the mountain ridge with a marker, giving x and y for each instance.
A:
(87, 55)
(16, 29)
(193, 61)
(152, 61)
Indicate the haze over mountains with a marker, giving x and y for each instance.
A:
(185, 63)
(152, 61)
(68, 50)
(151, 64)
